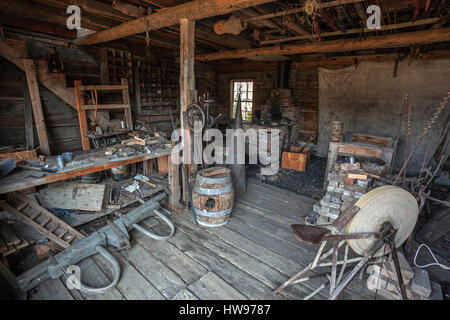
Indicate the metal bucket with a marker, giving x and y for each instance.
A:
(213, 196)
(120, 172)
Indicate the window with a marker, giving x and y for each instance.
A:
(246, 98)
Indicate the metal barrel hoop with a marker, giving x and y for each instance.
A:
(213, 192)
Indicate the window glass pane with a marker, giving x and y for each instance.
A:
(244, 86)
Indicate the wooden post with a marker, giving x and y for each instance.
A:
(147, 166)
(81, 115)
(137, 86)
(33, 87)
(126, 100)
(28, 111)
(187, 83)
(174, 183)
(103, 66)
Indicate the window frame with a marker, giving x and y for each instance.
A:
(232, 81)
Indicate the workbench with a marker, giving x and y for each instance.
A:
(92, 161)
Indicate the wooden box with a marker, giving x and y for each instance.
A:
(294, 160)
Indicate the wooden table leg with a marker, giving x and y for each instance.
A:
(148, 166)
(174, 183)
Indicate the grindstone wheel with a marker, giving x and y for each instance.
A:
(384, 204)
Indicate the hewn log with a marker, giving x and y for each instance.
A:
(301, 9)
(192, 10)
(187, 85)
(387, 41)
(28, 111)
(81, 115)
(36, 103)
(354, 31)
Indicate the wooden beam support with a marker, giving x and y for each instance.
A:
(356, 31)
(301, 9)
(81, 115)
(54, 82)
(342, 45)
(193, 10)
(187, 84)
(126, 100)
(28, 112)
(30, 70)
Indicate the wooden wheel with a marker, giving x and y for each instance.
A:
(384, 204)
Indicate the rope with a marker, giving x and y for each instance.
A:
(430, 264)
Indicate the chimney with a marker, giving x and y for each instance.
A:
(283, 74)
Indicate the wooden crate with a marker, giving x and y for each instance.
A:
(294, 160)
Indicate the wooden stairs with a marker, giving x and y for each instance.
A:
(15, 51)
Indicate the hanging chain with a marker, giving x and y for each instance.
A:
(147, 39)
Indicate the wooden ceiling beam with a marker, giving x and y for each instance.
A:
(90, 7)
(301, 9)
(57, 15)
(343, 45)
(194, 10)
(355, 31)
(44, 12)
(28, 23)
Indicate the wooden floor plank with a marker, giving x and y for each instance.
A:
(270, 226)
(245, 259)
(257, 209)
(274, 207)
(285, 194)
(53, 289)
(188, 269)
(291, 202)
(282, 247)
(212, 287)
(249, 264)
(185, 294)
(159, 275)
(284, 242)
(273, 227)
(132, 285)
(251, 288)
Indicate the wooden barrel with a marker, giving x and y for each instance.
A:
(213, 196)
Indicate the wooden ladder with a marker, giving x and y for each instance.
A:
(31, 213)
(9, 241)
